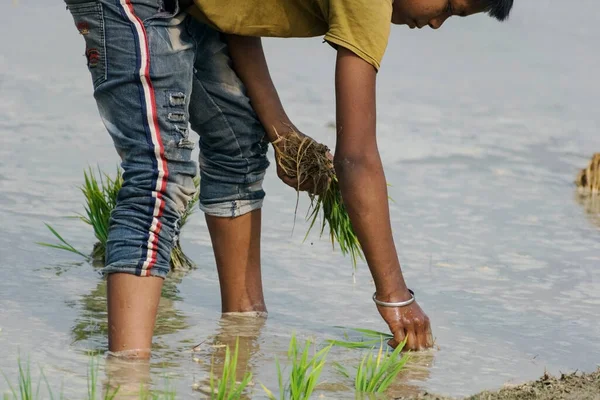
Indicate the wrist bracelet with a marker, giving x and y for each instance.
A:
(396, 304)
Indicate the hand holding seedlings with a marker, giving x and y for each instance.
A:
(308, 165)
(303, 163)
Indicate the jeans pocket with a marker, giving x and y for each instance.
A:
(89, 21)
(168, 9)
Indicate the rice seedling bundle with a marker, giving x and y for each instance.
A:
(307, 161)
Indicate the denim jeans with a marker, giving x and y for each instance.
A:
(156, 71)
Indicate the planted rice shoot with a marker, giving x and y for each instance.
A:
(26, 389)
(63, 245)
(25, 385)
(50, 394)
(226, 387)
(166, 394)
(376, 373)
(304, 373)
(367, 340)
(100, 193)
(307, 161)
(92, 383)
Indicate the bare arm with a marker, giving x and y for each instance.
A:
(364, 190)
(358, 167)
(251, 66)
(357, 158)
(361, 175)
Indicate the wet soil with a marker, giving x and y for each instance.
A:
(575, 386)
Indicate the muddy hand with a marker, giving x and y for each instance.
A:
(308, 185)
(408, 322)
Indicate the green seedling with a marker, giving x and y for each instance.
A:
(226, 387)
(376, 373)
(367, 340)
(304, 372)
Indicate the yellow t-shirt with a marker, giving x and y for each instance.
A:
(361, 26)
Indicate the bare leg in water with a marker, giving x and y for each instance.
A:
(133, 300)
(236, 244)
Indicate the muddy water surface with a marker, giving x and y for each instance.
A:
(482, 128)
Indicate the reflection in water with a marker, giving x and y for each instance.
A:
(591, 205)
(480, 172)
(128, 377)
(245, 327)
(92, 326)
(415, 372)
(408, 383)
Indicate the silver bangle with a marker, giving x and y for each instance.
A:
(397, 304)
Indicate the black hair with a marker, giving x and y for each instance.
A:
(499, 9)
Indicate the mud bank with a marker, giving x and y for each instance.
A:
(575, 386)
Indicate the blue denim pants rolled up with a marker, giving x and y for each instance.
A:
(155, 72)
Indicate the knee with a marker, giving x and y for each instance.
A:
(170, 189)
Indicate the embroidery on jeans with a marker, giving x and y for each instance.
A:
(93, 57)
(83, 28)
